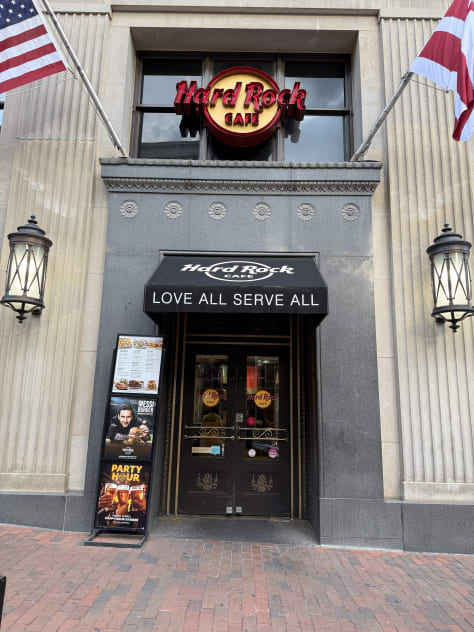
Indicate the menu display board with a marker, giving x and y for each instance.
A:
(137, 366)
(123, 495)
(130, 429)
(129, 434)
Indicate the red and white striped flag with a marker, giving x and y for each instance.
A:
(448, 60)
(27, 50)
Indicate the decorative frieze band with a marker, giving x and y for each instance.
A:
(152, 185)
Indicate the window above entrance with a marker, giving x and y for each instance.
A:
(321, 133)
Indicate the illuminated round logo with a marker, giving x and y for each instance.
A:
(241, 106)
(210, 397)
(263, 399)
(248, 112)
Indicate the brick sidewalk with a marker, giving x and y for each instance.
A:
(54, 584)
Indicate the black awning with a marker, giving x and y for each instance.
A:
(274, 285)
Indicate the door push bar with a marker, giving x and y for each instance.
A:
(186, 436)
(262, 435)
(208, 432)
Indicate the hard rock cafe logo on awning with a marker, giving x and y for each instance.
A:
(241, 106)
(238, 270)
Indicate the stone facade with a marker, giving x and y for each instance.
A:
(50, 144)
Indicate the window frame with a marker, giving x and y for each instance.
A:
(278, 60)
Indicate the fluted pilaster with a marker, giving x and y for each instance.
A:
(48, 140)
(429, 183)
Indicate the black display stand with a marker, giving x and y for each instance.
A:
(91, 541)
(128, 443)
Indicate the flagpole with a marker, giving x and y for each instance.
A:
(382, 116)
(92, 93)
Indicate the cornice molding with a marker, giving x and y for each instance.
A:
(242, 164)
(154, 185)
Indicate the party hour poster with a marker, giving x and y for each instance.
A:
(123, 495)
(129, 428)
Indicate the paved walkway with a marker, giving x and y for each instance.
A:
(54, 584)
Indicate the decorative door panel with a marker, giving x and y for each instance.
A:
(235, 431)
(262, 450)
(207, 436)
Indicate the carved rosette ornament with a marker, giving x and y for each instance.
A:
(306, 211)
(206, 482)
(262, 484)
(173, 209)
(261, 211)
(129, 208)
(217, 210)
(350, 212)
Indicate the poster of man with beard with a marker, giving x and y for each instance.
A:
(130, 429)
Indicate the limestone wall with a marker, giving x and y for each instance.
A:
(50, 143)
(48, 167)
(429, 182)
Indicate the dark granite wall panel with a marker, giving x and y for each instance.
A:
(361, 522)
(33, 510)
(438, 527)
(122, 312)
(350, 425)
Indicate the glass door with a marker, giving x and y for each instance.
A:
(235, 431)
(207, 435)
(261, 457)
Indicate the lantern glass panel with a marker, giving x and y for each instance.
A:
(17, 268)
(26, 271)
(452, 283)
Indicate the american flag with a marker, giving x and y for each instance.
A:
(27, 51)
(448, 60)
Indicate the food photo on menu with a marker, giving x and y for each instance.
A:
(137, 367)
(123, 495)
(130, 428)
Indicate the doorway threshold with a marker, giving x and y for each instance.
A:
(236, 529)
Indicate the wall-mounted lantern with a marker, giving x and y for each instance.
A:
(26, 270)
(451, 278)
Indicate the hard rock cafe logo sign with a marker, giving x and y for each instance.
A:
(241, 106)
(238, 270)
(263, 399)
(210, 397)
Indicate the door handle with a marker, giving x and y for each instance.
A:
(218, 437)
(208, 432)
(263, 434)
(209, 427)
